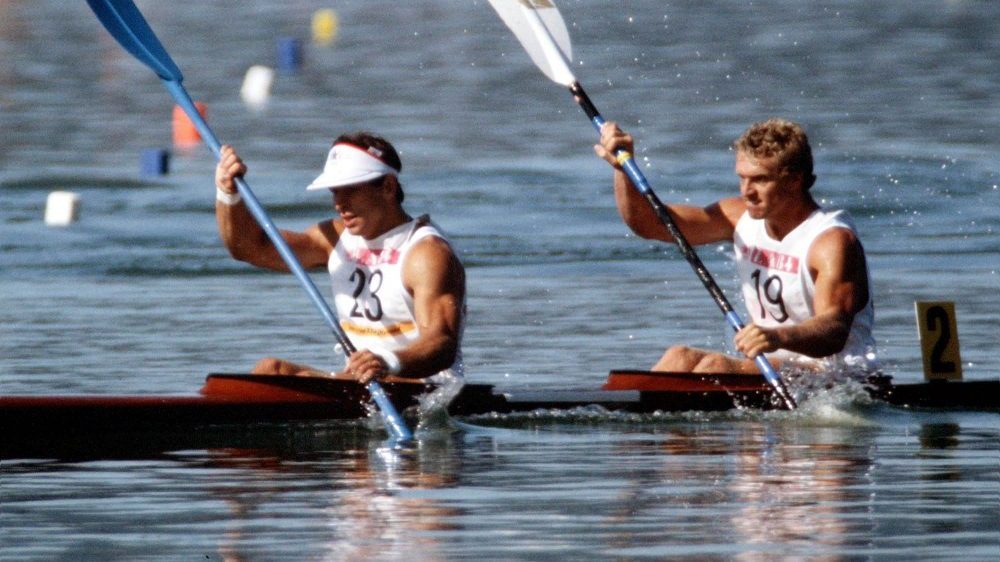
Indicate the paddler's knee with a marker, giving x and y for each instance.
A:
(268, 366)
(713, 363)
(679, 358)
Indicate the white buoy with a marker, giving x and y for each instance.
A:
(62, 208)
(257, 86)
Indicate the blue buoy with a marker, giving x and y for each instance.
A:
(289, 54)
(154, 162)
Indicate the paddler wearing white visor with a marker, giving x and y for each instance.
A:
(398, 286)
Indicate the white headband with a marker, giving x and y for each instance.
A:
(347, 165)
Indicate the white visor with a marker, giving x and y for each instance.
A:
(347, 165)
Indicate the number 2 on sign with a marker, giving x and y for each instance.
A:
(939, 340)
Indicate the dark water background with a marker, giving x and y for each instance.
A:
(900, 100)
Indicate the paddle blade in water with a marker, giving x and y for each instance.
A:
(540, 29)
(125, 23)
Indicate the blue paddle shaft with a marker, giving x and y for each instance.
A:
(390, 417)
(183, 99)
(125, 23)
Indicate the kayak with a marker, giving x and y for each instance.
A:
(35, 424)
(730, 390)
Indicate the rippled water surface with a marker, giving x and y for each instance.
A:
(139, 297)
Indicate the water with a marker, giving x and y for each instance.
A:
(139, 296)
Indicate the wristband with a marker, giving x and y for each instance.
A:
(392, 364)
(226, 198)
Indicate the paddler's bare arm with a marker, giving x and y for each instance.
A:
(436, 279)
(247, 241)
(837, 263)
(700, 225)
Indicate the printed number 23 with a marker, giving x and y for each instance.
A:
(370, 304)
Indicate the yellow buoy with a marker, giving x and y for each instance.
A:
(324, 26)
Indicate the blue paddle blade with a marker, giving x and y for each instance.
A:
(125, 23)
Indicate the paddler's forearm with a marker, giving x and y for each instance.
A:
(240, 233)
(820, 336)
(427, 356)
(636, 211)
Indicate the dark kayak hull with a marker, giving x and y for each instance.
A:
(35, 425)
(753, 391)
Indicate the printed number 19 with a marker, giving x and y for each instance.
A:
(773, 297)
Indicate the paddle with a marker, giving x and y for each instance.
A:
(539, 28)
(127, 25)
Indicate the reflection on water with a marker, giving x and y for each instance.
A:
(367, 504)
(939, 436)
(706, 486)
(788, 495)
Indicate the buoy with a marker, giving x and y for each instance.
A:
(257, 86)
(325, 25)
(154, 162)
(289, 54)
(185, 133)
(62, 208)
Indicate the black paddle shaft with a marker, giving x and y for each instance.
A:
(639, 181)
(661, 211)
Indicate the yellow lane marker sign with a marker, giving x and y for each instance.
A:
(939, 340)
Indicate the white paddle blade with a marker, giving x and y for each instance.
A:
(540, 29)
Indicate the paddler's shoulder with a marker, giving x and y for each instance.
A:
(326, 232)
(731, 209)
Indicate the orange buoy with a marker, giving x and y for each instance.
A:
(185, 132)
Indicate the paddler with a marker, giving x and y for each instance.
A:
(398, 286)
(802, 268)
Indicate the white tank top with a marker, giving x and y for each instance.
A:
(374, 308)
(778, 289)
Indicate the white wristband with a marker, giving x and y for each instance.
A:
(392, 364)
(227, 198)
